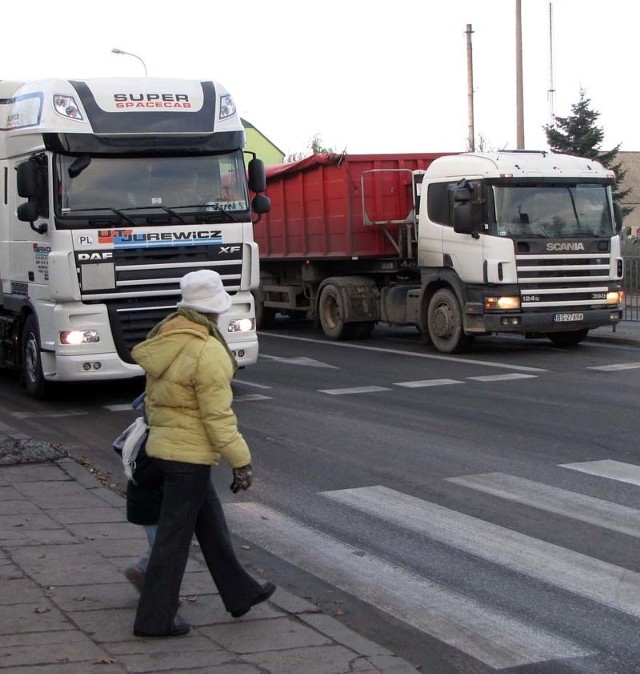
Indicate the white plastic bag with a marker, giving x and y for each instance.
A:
(128, 444)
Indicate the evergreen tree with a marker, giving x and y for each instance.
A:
(578, 135)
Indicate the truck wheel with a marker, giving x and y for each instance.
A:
(571, 338)
(444, 320)
(33, 378)
(331, 313)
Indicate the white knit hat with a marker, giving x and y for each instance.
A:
(203, 291)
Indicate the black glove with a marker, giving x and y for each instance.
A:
(242, 478)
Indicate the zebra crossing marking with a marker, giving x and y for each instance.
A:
(495, 638)
(553, 499)
(614, 470)
(598, 581)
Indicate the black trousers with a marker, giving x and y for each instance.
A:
(190, 505)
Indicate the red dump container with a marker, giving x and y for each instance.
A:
(333, 206)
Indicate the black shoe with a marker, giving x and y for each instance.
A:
(179, 629)
(267, 590)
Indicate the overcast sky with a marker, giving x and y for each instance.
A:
(368, 76)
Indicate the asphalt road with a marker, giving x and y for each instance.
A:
(474, 512)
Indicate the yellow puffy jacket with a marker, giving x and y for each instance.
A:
(189, 396)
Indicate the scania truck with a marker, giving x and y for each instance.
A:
(457, 245)
(111, 190)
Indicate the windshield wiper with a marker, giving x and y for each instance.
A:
(173, 213)
(117, 211)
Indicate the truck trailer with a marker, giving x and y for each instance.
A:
(112, 190)
(456, 244)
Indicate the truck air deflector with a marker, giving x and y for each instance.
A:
(168, 120)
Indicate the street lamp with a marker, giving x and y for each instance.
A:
(135, 56)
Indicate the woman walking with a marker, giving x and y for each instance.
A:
(189, 370)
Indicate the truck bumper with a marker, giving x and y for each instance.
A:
(104, 366)
(543, 322)
(95, 366)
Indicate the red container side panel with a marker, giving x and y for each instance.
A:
(317, 205)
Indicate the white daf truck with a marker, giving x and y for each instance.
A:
(110, 191)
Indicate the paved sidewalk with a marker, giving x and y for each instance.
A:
(66, 608)
(626, 332)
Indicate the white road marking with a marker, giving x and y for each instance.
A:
(427, 382)
(553, 499)
(354, 389)
(250, 397)
(119, 408)
(301, 360)
(51, 415)
(502, 377)
(585, 576)
(493, 637)
(613, 470)
(394, 352)
(615, 366)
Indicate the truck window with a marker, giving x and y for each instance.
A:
(438, 203)
(553, 210)
(192, 183)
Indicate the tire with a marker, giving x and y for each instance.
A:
(444, 322)
(331, 312)
(32, 375)
(564, 339)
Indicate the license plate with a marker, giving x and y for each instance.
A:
(567, 318)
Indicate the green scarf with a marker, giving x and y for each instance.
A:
(201, 319)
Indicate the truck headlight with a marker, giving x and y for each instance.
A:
(506, 303)
(75, 337)
(241, 325)
(615, 297)
(66, 106)
(227, 107)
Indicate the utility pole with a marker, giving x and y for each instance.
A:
(552, 91)
(471, 143)
(519, 90)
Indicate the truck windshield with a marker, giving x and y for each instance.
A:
(553, 211)
(128, 184)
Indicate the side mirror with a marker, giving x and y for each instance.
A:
(261, 204)
(618, 214)
(28, 212)
(27, 179)
(257, 176)
(467, 211)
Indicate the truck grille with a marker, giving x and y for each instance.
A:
(564, 280)
(147, 285)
